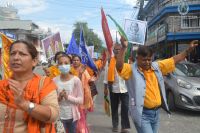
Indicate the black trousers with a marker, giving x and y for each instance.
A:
(115, 99)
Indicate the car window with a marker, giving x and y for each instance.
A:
(179, 72)
(190, 70)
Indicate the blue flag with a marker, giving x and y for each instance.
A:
(73, 47)
(86, 59)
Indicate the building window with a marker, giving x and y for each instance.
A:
(190, 21)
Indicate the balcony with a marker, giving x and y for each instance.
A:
(189, 23)
(166, 3)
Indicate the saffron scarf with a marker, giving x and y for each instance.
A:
(54, 71)
(31, 93)
(111, 70)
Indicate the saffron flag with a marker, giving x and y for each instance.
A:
(85, 57)
(106, 32)
(5, 50)
(73, 47)
(123, 34)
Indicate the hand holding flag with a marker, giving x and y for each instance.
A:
(124, 42)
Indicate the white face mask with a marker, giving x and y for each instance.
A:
(64, 69)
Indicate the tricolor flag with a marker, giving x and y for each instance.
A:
(123, 34)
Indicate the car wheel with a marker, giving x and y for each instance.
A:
(171, 103)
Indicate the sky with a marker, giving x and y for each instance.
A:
(60, 15)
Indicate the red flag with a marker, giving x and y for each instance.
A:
(106, 32)
(104, 57)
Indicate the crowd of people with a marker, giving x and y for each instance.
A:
(61, 100)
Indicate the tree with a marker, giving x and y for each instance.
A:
(91, 38)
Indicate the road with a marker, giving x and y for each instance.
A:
(179, 122)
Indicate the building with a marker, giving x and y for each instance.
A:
(168, 31)
(15, 28)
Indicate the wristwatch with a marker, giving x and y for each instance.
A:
(31, 106)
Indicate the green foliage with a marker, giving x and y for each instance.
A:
(91, 38)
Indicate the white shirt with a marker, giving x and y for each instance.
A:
(65, 105)
(119, 85)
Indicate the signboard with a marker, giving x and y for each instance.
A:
(183, 8)
(9, 34)
(135, 31)
(52, 44)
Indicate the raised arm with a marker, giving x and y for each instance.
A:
(182, 55)
(120, 57)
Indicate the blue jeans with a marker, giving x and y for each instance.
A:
(69, 125)
(150, 121)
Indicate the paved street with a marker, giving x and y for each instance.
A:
(179, 122)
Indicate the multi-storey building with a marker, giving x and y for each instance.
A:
(168, 31)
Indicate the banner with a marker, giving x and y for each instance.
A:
(135, 31)
(52, 44)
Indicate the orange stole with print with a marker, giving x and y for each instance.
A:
(31, 93)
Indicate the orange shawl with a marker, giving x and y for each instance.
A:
(85, 77)
(31, 93)
(111, 70)
(90, 71)
(99, 64)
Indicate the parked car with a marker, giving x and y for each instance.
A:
(183, 87)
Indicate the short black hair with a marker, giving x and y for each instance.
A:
(65, 55)
(58, 53)
(75, 55)
(30, 47)
(144, 51)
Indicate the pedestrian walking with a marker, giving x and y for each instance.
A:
(80, 71)
(146, 85)
(70, 94)
(28, 102)
(118, 93)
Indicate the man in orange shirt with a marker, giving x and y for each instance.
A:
(145, 84)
